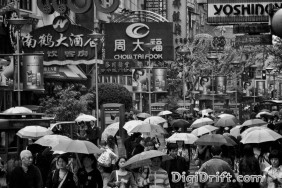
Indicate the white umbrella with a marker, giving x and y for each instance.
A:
(155, 120)
(33, 132)
(201, 122)
(128, 126)
(143, 115)
(152, 129)
(165, 112)
(254, 122)
(77, 146)
(111, 129)
(203, 130)
(235, 131)
(244, 133)
(260, 135)
(18, 110)
(188, 138)
(85, 117)
(51, 140)
(226, 115)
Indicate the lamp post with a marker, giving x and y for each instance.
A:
(212, 58)
(236, 65)
(149, 46)
(275, 94)
(183, 51)
(18, 23)
(96, 37)
(269, 70)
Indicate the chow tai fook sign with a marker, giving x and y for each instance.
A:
(71, 44)
(126, 40)
(231, 11)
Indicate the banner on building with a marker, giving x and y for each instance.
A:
(260, 87)
(139, 80)
(159, 79)
(220, 84)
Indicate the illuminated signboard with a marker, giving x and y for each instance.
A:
(125, 41)
(230, 11)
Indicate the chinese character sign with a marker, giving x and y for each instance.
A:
(126, 41)
(117, 67)
(73, 44)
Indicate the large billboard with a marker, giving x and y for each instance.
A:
(126, 41)
(243, 11)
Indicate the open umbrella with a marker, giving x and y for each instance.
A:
(180, 123)
(85, 117)
(260, 135)
(265, 110)
(181, 110)
(188, 138)
(155, 120)
(128, 126)
(230, 141)
(201, 122)
(77, 146)
(226, 115)
(254, 122)
(149, 128)
(165, 112)
(143, 115)
(212, 139)
(235, 131)
(33, 132)
(111, 129)
(51, 140)
(143, 159)
(227, 122)
(206, 111)
(18, 110)
(203, 130)
(264, 114)
(244, 133)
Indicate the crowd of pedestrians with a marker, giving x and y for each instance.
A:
(108, 169)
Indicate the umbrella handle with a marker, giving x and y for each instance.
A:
(79, 163)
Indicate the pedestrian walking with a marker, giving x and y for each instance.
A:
(27, 175)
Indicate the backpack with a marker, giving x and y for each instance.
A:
(105, 158)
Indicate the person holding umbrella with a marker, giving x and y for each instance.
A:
(121, 178)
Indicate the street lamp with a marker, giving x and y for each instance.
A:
(149, 46)
(276, 72)
(18, 23)
(212, 58)
(96, 37)
(183, 51)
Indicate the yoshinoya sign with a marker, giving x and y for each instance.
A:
(230, 11)
(126, 40)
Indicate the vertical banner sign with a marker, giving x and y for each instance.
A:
(220, 82)
(159, 80)
(32, 72)
(139, 80)
(204, 85)
(16, 64)
(260, 86)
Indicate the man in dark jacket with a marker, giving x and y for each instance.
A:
(27, 175)
(177, 164)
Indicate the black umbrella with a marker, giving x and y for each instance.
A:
(181, 123)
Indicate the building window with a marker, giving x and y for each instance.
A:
(26, 5)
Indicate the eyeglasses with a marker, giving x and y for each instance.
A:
(28, 158)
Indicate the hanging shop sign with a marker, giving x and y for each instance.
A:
(126, 40)
(157, 6)
(251, 28)
(117, 67)
(32, 72)
(253, 40)
(71, 44)
(230, 12)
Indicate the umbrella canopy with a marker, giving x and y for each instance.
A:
(212, 139)
(260, 135)
(227, 122)
(143, 115)
(244, 133)
(155, 120)
(206, 111)
(85, 117)
(128, 126)
(181, 110)
(143, 159)
(163, 113)
(264, 114)
(18, 110)
(180, 123)
(265, 110)
(203, 130)
(230, 141)
(77, 146)
(111, 129)
(226, 115)
(235, 131)
(51, 140)
(33, 132)
(201, 122)
(149, 128)
(254, 122)
(188, 138)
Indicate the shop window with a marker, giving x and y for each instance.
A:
(26, 5)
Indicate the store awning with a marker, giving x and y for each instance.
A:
(71, 62)
(67, 72)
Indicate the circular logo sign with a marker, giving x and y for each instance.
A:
(137, 30)
(61, 24)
